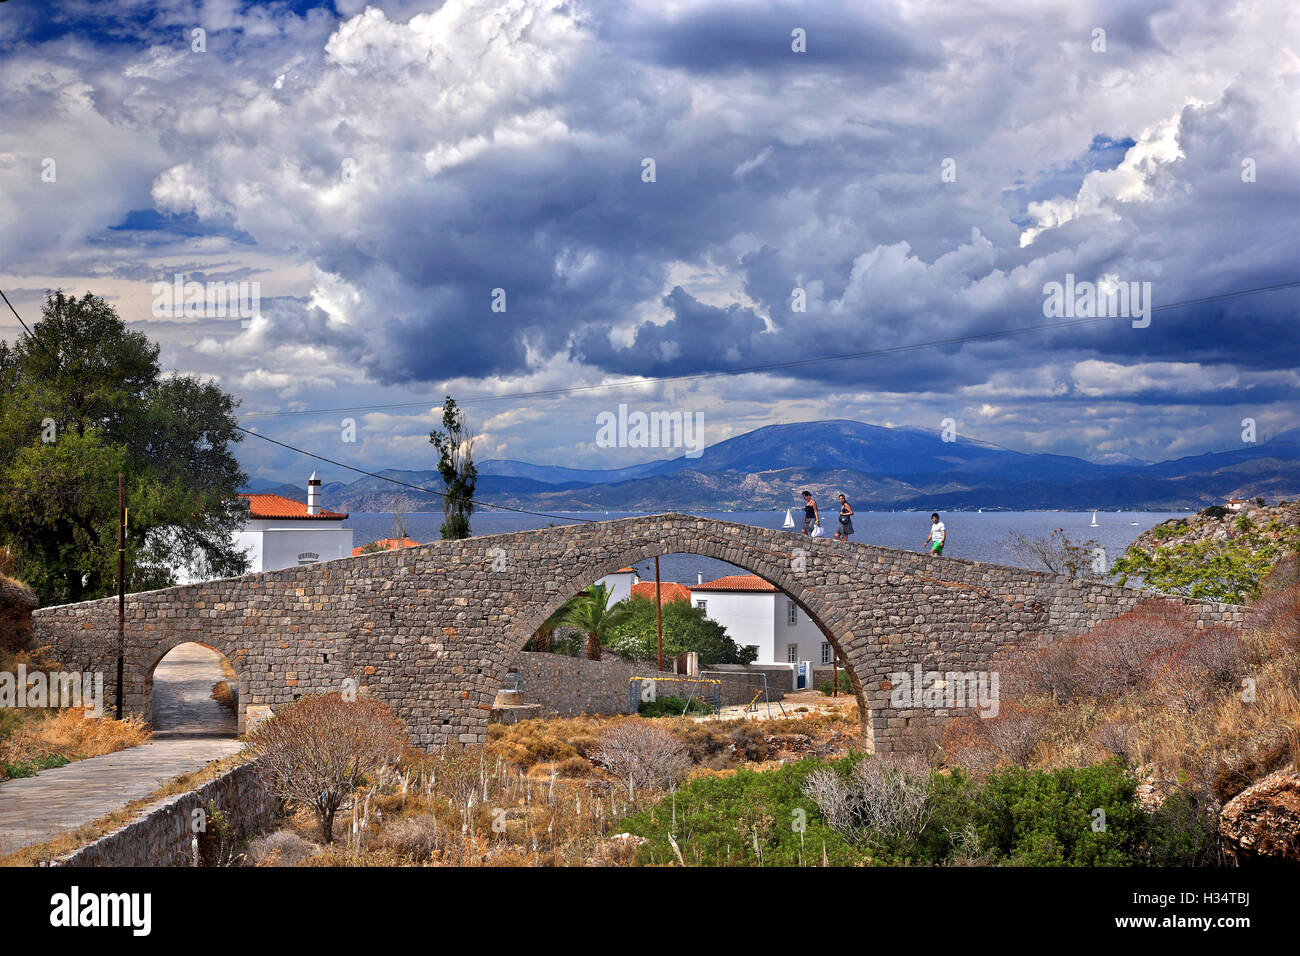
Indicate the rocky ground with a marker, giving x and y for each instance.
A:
(1221, 524)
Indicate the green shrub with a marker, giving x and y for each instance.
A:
(1037, 818)
(1182, 831)
(720, 821)
(673, 707)
(1017, 817)
(845, 687)
(30, 768)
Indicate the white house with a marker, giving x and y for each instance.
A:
(282, 533)
(760, 615)
(620, 584)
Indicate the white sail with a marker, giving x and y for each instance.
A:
(789, 519)
(1094, 519)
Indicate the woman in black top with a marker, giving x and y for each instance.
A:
(846, 520)
(811, 518)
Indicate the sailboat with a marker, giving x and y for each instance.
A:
(1094, 520)
(789, 519)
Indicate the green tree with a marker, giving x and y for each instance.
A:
(84, 400)
(686, 628)
(1229, 571)
(455, 444)
(592, 613)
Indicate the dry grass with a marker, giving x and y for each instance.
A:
(71, 734)
(39, 853)
(1204, 710)
(537, 795)
(540, 746)
(222, 695)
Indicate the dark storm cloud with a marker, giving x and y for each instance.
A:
(863, 37)
(501, 147)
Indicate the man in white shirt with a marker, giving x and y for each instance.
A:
(938, 535)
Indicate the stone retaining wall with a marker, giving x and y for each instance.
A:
(740, 686)
(567, 686)
(162, 836)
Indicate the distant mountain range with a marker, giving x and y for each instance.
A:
(876, 467)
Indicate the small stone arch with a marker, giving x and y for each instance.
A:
(155, 656)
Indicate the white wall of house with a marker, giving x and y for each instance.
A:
(795, 627)
(620, 584)
(768, 621)
(748, 617)
(273, 544)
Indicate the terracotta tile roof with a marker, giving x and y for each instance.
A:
(626, 571)
(670, 591)
(277, 506)
(389, 544)
(737, 582)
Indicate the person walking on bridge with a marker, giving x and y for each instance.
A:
(846, 520)
(934, 542)
(812, 519)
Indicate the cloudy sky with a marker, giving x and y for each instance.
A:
(920, 171)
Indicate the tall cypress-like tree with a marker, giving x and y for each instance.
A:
(83, 399)
(455, 444)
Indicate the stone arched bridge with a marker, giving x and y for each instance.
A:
(433, 629)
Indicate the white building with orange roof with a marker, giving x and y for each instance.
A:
(762, 616)
(282, 533)
(625, 584)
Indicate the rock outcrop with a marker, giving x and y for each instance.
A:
(1262, 823)
(1221, 524)
(17, 601)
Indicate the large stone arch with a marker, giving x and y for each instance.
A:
(432, 630)
(765, 564)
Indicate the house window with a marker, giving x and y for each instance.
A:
(791, 613)
(308, 557)
(703, 606)
(827, 654)
(792, 653)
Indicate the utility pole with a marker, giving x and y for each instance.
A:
(659, 615)
(121, 586)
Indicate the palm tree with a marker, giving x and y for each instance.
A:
(591, 613)
(542, 636)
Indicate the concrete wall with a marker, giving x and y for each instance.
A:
(432, 630)
(162, 837)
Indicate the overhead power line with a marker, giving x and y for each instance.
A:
(774, 366)
(30, 334)
(404, 484)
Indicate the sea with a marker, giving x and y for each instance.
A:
(976, 536)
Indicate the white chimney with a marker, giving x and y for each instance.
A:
(699, 577)
(313, 495)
